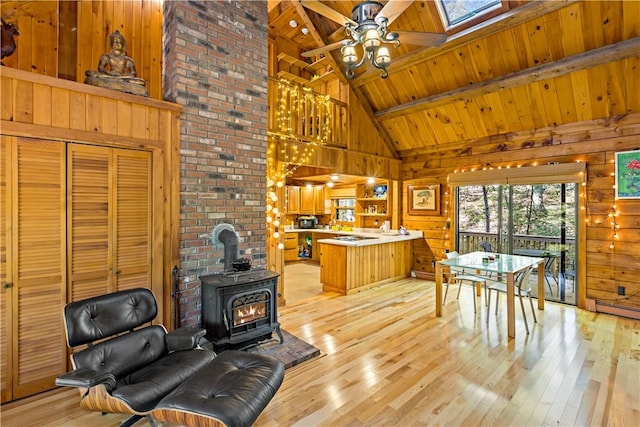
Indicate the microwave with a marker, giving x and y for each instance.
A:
(307, 222)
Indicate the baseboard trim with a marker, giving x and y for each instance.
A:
(616, 310)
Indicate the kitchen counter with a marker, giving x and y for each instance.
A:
(351, 261)
(364, 237)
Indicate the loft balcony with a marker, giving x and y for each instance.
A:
(297, 113)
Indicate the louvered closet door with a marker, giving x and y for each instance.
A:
(5, 273)
(35, 335)
(132, 222)
(109, 220)
(88, 221)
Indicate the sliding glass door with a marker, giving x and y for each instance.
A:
(526, 219)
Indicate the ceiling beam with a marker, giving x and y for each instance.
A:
(570, 64)
(321, 39)
(491, 26)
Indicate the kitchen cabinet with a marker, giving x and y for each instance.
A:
(290, 247)
(318, 196)
(293, 199)
(307, 202)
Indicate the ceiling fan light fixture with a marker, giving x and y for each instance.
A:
(383, 59)
(371, 39)
(349, 56)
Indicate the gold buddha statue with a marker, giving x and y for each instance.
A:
(116, 70)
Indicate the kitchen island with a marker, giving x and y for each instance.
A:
(357, 260)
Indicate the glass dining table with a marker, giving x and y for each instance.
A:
(503, 265)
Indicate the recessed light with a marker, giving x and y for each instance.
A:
(334, 177)
(293, 23)
(371, 180)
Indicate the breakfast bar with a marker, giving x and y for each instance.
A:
(355, 261)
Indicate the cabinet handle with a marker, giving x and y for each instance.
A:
(7, 285)
(117, 272)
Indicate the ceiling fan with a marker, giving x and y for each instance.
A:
(368, 27)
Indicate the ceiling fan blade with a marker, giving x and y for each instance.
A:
(393, 9)
(421, 39)
(323, 49)
(327, 12)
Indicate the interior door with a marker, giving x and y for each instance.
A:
(34, 350)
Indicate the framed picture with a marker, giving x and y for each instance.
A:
(628, 175)
(423, 200)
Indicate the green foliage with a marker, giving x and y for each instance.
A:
(537, 209)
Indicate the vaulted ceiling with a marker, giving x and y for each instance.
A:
(540, 64)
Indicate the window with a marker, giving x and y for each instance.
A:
(345, 210)
(465, 13)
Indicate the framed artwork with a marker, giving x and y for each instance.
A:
(628, 175)
(423, 199)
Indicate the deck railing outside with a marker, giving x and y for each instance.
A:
(298, 113)
(472, 241)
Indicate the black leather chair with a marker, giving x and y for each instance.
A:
(121, 369)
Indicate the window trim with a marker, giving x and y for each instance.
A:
(482, 16)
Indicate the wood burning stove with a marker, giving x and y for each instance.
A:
(240, 308)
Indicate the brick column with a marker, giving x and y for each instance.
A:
(215, 66)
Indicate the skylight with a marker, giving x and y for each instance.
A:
(457, 12)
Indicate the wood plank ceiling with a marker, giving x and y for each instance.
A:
(540, 64)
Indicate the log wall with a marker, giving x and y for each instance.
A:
(594, 142)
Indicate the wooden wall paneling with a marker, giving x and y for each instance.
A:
(144, 36)
(554, 34)
(6, 108)
(41, 105)
(630, 13)
(67, 40)
(94, 114)
(581, 95)
(550, 100)
(124, 119)
(598, 89)
(84, 52)
(612, 21)
(154, 81)
(77, 111)
(617, 94)
(23, 101)
(109, 116)
(537, 106)
(632, 79)
(570, 19)
(60, 108)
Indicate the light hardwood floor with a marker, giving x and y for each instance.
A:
(388, 361)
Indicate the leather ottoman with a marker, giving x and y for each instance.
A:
(231, 391)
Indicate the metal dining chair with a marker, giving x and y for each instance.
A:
(460, 276)
(522, 288)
